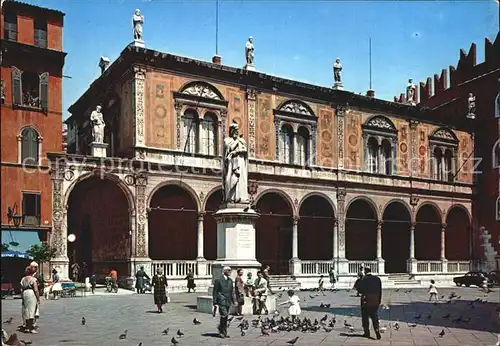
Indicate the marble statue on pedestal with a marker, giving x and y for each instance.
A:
(471, 105)
(138, 21)
(337, 71)
(410, 92)
(98, 125)
(235, 167)
(249, 51)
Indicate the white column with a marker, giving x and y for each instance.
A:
(443, 166)
(412, 241)
(443, 242)
(295, 148)
(336, 239)
(379, 240)
(201, 215)
(295, 238)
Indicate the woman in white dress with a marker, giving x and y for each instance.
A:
(30, 299)
(294, 306)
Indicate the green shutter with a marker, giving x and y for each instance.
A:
(17, 94)
(44, 90)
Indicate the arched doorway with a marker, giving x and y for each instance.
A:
(98, 214)
(173, 224)
(210, 225)
(361, 231)
(316, 229)
(274, 232)
(428, 234)
(457, 239)
(396, 237)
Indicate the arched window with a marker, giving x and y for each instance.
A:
(302, 150)
(189, 142)
(387, 156)
(498, 208)
(373, 155)
(286, 142)
(29, 146)
(437, 159)
(497, 106)
(495, 155)
(209, 135)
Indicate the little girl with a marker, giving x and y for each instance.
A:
(294, 308)
(433, 291)
(321, 284)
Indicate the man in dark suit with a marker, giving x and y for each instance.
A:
(370, 288)
(223, 299)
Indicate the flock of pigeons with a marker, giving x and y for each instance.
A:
(277, 323)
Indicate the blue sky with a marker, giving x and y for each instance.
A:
(293, 39)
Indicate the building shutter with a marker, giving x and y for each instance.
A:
(44, 90)
(17, 94)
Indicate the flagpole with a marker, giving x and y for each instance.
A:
(216, 27)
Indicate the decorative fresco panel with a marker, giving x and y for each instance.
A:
(423, 165)
(237, 112)
(403, 154)
(325, 138)
(126, 131)
(353, 153)
(265, 128)
(467, 163)
(159, 118)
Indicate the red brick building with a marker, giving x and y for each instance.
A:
(32, 61)
(447, 96)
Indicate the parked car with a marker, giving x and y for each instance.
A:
(472, 278)
(494, 276)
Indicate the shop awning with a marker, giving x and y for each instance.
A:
(18, 242)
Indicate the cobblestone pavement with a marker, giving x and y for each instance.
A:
(109, 315)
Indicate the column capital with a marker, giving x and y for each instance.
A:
(295, 219)
(443, 226)
(413, 225)
(201, 215)
(380, 223)
(336, 221)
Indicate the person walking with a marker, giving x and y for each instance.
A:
(41, 287)
(239, 288)
(370, 288)
(321, 284)
(140, 276)
(190, 282)
(265, 275)
(56, 284)
(333, 277)
(160, 285)
(294, 306)
(261, 290)
(30, 299)
(223, 299)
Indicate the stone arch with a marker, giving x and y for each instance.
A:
(397, 200)
(458, 233)
(210, 206)
(282, 194)
(315, 227)
(320, 194)
(99, 207)
(397, 218)
(428, 224)
(367, 200)
(274, 230)
(201, 89)
(380, 122)
(444, 133)
(460, 206)
(109, 176)
(32, 126)
(361, 229)
(179, 183)
(177, 238)
(209, 195)
(295, 106)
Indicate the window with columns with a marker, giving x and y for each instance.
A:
(443, 144)
(29, 146)
(380, 144)
(497, 106)
(296, 127)
(201, 111)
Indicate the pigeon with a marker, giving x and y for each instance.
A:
(174, 341)
(347, 325)
(457, 320)
(312, 297)
(179, 333)
(324, 318)
(429, 316)
(467, 320)
(165, 331)
(396, 326)
(412, 325)
(447, 316)
(293, 341)
(417, 317)
(195, 321)
(441, 334)
(264, 332)
(396, 290)
(243, 332)
(9, 321)
(124, 335)
(328, 330)
(83, 320)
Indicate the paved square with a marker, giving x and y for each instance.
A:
(108, 315)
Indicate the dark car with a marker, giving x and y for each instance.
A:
(472, 278)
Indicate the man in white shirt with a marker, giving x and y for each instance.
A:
(261, 293)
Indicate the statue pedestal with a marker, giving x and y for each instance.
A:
(98, 149)
(338, 86)
(138, 43)
(235, 247)
(249, 67)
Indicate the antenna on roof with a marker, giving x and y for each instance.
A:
(216, 27)
(370, 57)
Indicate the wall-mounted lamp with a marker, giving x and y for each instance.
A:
(13, 215)
(71, 238)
